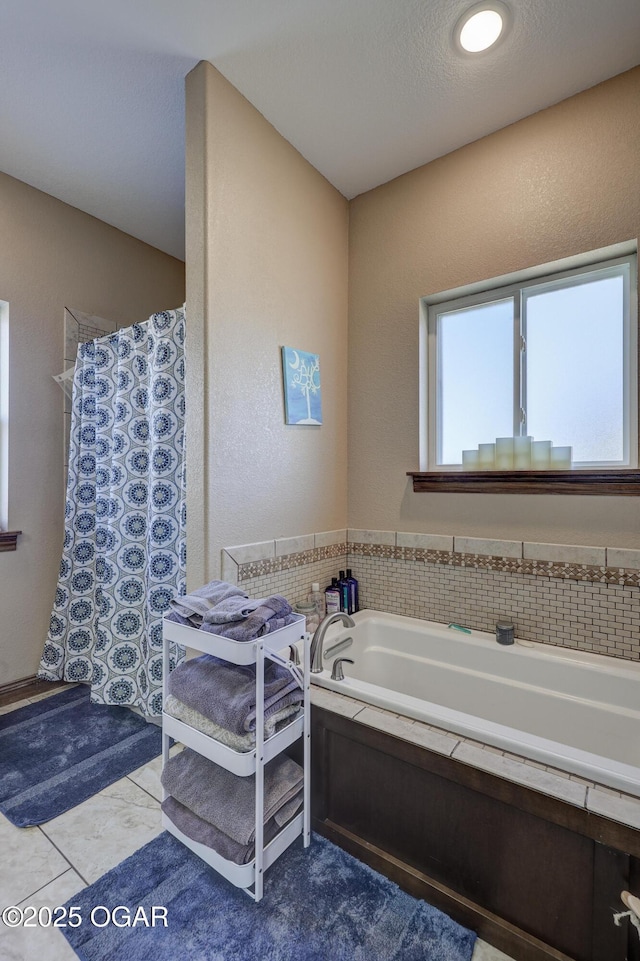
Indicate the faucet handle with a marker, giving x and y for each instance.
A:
(337, 674)
(294, 655)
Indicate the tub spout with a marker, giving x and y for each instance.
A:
(318, 637)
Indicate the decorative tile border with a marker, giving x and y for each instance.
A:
(258, 560)
(513, 565)
(286, 562)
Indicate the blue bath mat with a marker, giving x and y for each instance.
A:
(61, 750)
(319, 904)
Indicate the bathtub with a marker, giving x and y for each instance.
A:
(572, 710)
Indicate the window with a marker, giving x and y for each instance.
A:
(552, 356)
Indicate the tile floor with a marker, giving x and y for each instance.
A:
(47, 865)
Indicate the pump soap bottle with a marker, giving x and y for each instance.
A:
(332, 597)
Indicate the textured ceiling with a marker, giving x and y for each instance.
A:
(92, 94)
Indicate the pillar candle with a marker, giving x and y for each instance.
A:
(504, 453)
(560, 458)
(540, 450)
(522, 453)
(471, 460)
(487, 456)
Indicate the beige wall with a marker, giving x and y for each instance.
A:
(267, 260)
(564, 181)
(54, 256)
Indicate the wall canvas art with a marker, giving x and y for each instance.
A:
(302, 395)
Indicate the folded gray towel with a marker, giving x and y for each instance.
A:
(238, 742)
(226, 800)
(193, 606)
(230, 609)
(274, 612)
(226, 693)
(199, 830)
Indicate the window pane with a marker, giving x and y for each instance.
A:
(575, 368)
(475, 377)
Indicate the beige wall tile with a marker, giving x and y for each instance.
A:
(623, 557)
(359, 536)
(229, 568)
(624, 809)
(329, 538)
(565, 553)
(543, 781)
(246, 553)
(338, 703)
(481, 545)
(294, 545)
(427, 542)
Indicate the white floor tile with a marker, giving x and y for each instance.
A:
(29, 861)
(485, 952)
(148, 776)
(104, 830)
(47, 943)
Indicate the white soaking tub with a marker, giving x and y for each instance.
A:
(569, 709)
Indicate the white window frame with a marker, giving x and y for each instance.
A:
(570, 272)
(4, 415)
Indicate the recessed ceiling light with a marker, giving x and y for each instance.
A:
(481, 26)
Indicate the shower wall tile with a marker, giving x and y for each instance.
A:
(566, 553)
(328, 538)
(248, 553)
(295, 582)
(492, 548)
(229, 568)
(598, 617)
(425, 542)
(294, 545)
(623, 557)
(372, 537)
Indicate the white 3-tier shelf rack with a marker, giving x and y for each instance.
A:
(275, 647)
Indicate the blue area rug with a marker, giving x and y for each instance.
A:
(61, 750)
(319, 904)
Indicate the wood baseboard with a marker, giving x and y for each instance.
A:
(26, 687)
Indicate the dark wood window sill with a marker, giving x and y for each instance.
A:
(9, 540)
(598, 482)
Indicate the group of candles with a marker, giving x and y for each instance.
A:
(517, 453)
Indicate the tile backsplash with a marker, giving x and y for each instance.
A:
(568, 595)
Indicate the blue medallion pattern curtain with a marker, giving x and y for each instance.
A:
(124, 553)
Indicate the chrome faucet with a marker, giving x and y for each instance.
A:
(318, 637)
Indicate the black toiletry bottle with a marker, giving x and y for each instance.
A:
(343, 587)
(332, 596)
(354, 601)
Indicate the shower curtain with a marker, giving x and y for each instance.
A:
(124, 550)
